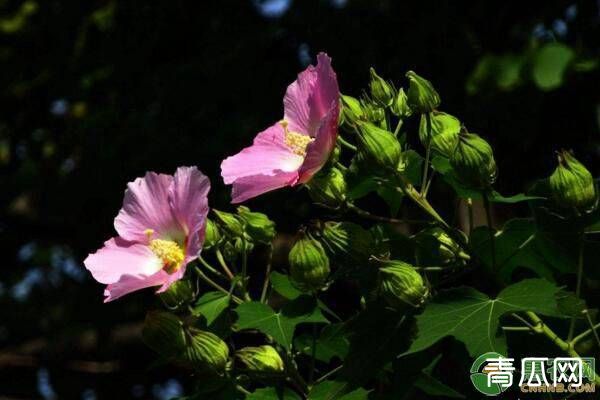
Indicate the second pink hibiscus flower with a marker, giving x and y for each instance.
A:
(292, 150)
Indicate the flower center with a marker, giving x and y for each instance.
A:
(169, 252)
(297, 142)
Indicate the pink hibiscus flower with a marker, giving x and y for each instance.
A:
(161, 229)
(292, 150)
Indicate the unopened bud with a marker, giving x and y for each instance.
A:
(178, 294)
(442, 133)
(352, 110)
(422, 97)
(372, 111)
(381, 91)
(260, 360)
(473, 161)
(212, 235)
(379, 145)
(163, 332)
(401, 284)
(572, 185)
(347, 241)
(231, 223)
(206, 351)
(436, 247)
(400, 107)
(260, 228)
(328, 187)
(309, 264)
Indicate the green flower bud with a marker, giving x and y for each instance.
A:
(242, 246)
(473, 161)
(230, 250)
(347, 241)
(444, 132)
(379, 145)
(372, 112)
(206, 351)
(261, 360)
(328, 188)
(163, 332)
(352, 110)
(178, 294)
(260, 228)
(572, 185)
(400, 106)
(231, 223)
(309, 264)
(401, 284)
(381, 91)
(212, 235)
(422, 97)
(436, 247)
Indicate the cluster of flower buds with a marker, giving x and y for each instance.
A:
(237, 233)
(572, 185)
(309, 264)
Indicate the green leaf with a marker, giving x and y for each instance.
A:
(272, 393)
(279, 325)
(432, 386)
(211, 305)
(392, 198)
(521, 243)
(550, 64)
(472, 318)
(413, 166)
(330, 343)
(281, 284)
(331, 390)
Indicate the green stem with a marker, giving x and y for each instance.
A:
(347, 144)
(327, 375)
(427, 154)
(242, 389)
(541, 328)
(341, 166)
(311, 371)
(588, 332)
(470, 212)
(488, 215)
(223, 264)
(398, 126)
(368, 215)
(215, 285)
(265, 288)
(211, 268)
(579, 282)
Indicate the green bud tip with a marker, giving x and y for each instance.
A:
(382, 92)
(347, 240)
(352, 110)
(178, 294)
(401, 284)
(262, 359)
(572, 185)
(400, 107)
(422, 97)
(230, 223)
(309, 264)
(473, 161)
(212, 235)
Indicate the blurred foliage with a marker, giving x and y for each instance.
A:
(93, 94)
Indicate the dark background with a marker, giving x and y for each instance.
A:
(95, 93)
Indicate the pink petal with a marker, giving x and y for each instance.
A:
(264, 157)
(252, 186)
(318, 152)
(309, 98)
(189, 204)
(146, 206)
(130, 283)
(118, 258)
